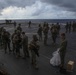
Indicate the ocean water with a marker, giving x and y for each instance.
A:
(41, 20)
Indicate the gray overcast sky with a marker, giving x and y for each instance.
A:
(37, 9)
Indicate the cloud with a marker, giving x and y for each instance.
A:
(50, 9)
(17, 3)
(69, 5)
(38, 10)
(19, 12)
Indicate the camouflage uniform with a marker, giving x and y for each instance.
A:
(45, 31)
(54, 34)
(63, 51)
(17, 39)
(34, 47)
(69, 27)
(6, 41)
(25, 45)
(1, 33)
(19, 28)
(66, 27)
(40, 32)
(13, 42)
(58, 28)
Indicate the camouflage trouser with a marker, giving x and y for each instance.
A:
(7, 45)
(62, 57)
(17, 49)
(33, 57)
(25, 51)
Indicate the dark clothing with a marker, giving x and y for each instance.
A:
(7, 45)
(45, 31)
(29, 23)
(40, 33)
(6, 37)
(54, 34)
(74, 26)
(6, 41)
(67, 27)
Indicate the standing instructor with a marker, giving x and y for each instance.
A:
(63, 47)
